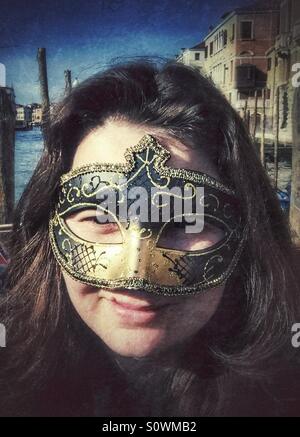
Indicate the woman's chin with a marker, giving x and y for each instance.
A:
(136, 343)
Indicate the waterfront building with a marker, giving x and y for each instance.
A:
(282, 56)
(236, 60)
(253, 57)
(36, 114)
(23, 116)
(194, 56)
(284, 82)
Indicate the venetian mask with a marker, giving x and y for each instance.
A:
(143, 235)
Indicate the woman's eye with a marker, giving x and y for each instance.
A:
(102, 227)
(94, 227)
(174, 236)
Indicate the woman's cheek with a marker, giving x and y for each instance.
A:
(198, 309)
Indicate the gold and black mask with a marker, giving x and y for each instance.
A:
(135, 231)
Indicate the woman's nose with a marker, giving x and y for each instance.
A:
(140, 247)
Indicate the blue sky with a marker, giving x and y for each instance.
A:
(87, 35)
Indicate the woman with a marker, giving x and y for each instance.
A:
(208, 341)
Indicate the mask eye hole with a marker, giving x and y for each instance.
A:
(95, 226)
(175, 236)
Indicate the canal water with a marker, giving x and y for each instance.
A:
(28, 149)
(29, 145)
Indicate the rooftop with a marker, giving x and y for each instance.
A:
(251, 8)
(199, 46)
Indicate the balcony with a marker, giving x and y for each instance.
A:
(248, 77)
(240, 104)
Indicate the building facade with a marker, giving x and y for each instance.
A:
(23, 115)
(237, 62)
(283, 57)
(36, 114)
(253, 57)
(194, 57)
(284, 77)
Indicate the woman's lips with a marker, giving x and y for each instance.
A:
(136, 306)
(136, 314)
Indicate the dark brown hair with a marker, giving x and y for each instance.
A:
(47, 343)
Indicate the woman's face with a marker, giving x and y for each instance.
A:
(175, 319)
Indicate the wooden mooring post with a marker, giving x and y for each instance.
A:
(43, 79)
(7, 156)
(68, 81)
(246, 111)
(255, 114)
(263, 128)
(276, 144)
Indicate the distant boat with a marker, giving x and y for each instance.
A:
(284, 199)
(23, 126)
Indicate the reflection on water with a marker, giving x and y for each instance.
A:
(29, 145)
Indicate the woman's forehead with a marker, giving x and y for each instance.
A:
(108, 143)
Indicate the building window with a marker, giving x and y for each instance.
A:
(233, 32)
(225, 68)
(269, 64)
(206, 51)
(211, 48)
(245, 76)
(197, 56)
(231, 71)
(246, 30)
(225, 37)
